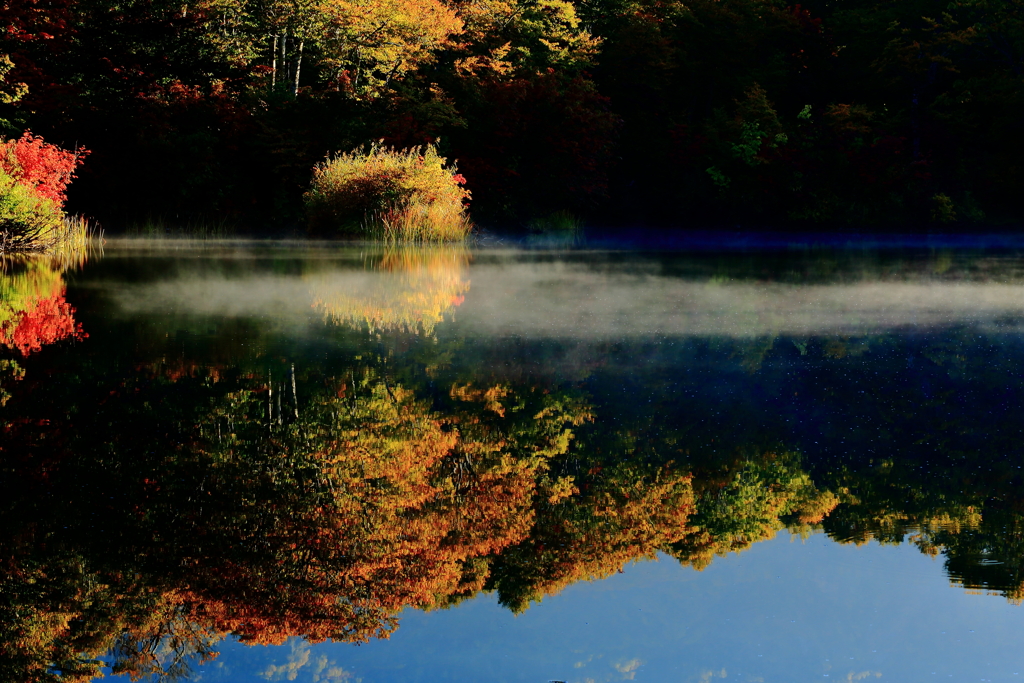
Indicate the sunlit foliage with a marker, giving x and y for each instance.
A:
(412, 290)
(369, 43)
(400, 195)
(762, 496)
(34, 176)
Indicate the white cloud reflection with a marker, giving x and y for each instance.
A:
(303, 665)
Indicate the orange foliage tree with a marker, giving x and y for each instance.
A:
(266, 517)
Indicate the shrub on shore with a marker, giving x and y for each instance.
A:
(27, 221)
(390, 194)
(34, 176)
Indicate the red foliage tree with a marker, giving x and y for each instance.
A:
(45, 168)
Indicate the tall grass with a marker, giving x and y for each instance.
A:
(67, 246)
(561, 228)
(418, 221)
(161, 227)
(391, 195)
(80, 239)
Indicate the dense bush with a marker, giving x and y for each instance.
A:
(47, 169)
(537, 145)
(27, 221)
(409, 194)
(33, 178)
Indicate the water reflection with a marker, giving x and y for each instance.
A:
(416, 288)
(214, 508)
(166, 485)
(33, 309)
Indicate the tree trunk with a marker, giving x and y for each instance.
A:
(298, 65)
(295, 396)
(273, 64)
(284, 53)
(270, 399)
(359, 68)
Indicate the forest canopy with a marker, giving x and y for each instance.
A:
(853, 113)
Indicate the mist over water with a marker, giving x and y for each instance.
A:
(273, 451)
(604, 295)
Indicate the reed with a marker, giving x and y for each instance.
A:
(560, 229)
(417, 221)
(196, 228)
(79, 240)
(560, 223)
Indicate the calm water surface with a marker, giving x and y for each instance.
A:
(286, 462)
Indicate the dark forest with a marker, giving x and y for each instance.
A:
(841, 114)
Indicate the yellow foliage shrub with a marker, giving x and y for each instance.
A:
(392, 194)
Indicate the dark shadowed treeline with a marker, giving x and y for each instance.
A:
(851, 113)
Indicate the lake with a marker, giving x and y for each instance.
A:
(753, 460)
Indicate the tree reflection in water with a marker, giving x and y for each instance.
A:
(156, 499)
(33, 310)
(206, 509)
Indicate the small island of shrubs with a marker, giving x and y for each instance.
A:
(389, 194)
